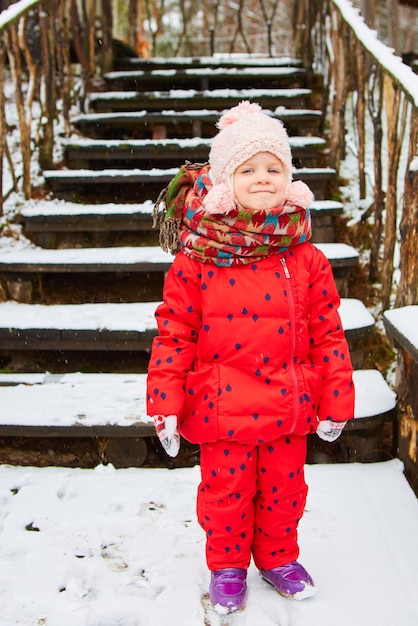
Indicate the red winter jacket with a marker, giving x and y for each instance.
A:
(252, 352)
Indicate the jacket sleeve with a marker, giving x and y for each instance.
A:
(174, 348)
(328, 345)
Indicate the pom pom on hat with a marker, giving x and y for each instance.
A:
(234, 114)
(300, 195)
(244, 131)
(220, 199)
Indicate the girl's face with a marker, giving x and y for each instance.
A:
(260, 182)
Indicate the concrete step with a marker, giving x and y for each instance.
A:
(139, 185)
(96, 153)
(58, 224)
(180, 124)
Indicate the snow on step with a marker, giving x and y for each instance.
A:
(194, 114)
(296, 142)
(402, 325)
(148, 257)
(373, 394)
(60, 208)
(327, 206)
(219, 60)
(268, 72)
(131, 316)
(244, 94)
(158, 174)
(73, 399)
(119, 399)
(142, 258)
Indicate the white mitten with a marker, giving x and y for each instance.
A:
(329, 430)
(167, 433)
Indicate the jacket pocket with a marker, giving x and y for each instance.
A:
(199, 420)
(309, 400)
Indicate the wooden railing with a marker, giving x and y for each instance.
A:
(49, 51)
(363, 79)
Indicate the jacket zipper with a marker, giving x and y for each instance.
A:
(292, 316)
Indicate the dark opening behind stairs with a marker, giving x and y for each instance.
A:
(78, 324)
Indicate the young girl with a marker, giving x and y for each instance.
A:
(251, 355)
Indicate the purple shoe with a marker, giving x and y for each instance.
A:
(228, 588)
(290, 580)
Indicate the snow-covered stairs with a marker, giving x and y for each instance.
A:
(83, 298)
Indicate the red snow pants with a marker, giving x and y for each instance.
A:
(250, 501)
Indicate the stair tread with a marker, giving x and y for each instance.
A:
(193, 114)
(401, 325)
(35, 259)
(193, 76)
(166, 95)
(182, 99)
(125, 317)
(38, 259)
(373, 394)
(158, 174)
(66, 401)
(46, 400)
(219, 60)
(187, 143)
(174, 72)
(62, 209)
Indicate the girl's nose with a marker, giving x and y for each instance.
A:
(263, 176)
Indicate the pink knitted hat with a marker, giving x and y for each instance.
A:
(244, 131)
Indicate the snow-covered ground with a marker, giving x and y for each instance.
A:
(108, 547)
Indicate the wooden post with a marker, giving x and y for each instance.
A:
(408, 285)
(2, 124)
(392, 7)
(13, 52)
(375, 100)
(133, 24)
(107, 37)
(46, 24)
(395, 122)
(361, 107)
(339, 89)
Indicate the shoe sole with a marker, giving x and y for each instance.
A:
(307, 592)
(218, 615)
